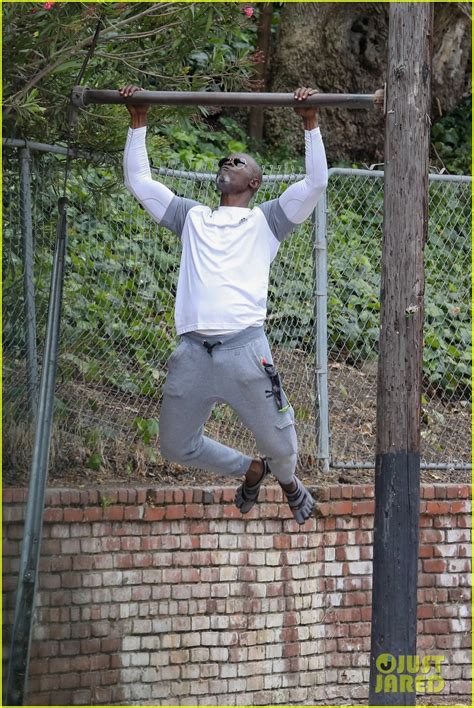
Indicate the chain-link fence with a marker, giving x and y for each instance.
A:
(118, 330)
(354, 232)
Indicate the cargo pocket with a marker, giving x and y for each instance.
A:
(285, 419)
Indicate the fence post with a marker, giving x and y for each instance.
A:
(28, 279)
(17, 678)
(321, 333)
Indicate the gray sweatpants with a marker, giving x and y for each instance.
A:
(233, 374)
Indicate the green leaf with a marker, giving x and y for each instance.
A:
(94, 462)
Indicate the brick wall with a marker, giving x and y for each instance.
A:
(170, 597)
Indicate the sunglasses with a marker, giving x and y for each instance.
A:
(235, 161)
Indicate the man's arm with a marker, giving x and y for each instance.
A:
(152, 195)
(299, 200)
(160, 202)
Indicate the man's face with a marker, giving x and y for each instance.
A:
(238, 173)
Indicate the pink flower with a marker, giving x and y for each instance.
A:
(48, 5)
(248, 11)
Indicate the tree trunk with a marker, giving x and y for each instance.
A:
(342, 47)
(264, 34)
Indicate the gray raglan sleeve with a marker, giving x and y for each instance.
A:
(277, 220)
(176, 213)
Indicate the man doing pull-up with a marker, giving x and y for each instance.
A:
(223, 354)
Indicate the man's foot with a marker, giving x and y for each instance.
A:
(299, 500)
(247, 494)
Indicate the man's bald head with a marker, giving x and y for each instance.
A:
(239, 173)
(254, 167)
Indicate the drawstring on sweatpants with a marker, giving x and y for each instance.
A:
(210, 347)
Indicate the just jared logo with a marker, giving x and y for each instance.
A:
(409, 674)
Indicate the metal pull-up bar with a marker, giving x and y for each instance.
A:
(82, 97)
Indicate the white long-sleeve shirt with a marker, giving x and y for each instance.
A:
(226, 252)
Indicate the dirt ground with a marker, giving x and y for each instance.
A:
(96, 441)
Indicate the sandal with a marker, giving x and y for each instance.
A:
(300, 502)
(246, 496)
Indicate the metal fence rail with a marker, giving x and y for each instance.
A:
(118, 331)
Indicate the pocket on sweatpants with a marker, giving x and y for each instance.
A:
(286, 419)
(179, 373)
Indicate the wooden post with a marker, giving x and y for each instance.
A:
(397, 475)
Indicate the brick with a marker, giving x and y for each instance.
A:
(102, 528)
(369, 491)
(445, 550)
(341, 507)
(458, 536)
(69, 497)
(76, 563)
(323, 509)
(360, 568)
(436, 626)
(425, 611)
(114, 513)
(61, 665)
(346, 522)
(464, 550)
(363, 507)
(90, 545)
(459, 491)
(141, 495)
(447, 581)
(459, 566)
(39, 699)
(130, 543)
(425, 551)
(334, 492)
(51, 515)
(180, 656)
(79, 529)
(440, 491)
(194, 511)
(154, 513)
(347, 553)
(457, 595)
(426, 580)
(142, 626)
(460, 625)
(141, 593)
(133, 512)
(427, 492)
(100, 629)
(174, 512)
(437, 507)
(460, 507)
(102, 562)
(461, 687)
(434, 565)
(432, 536)
(73, 515)
(38, 666)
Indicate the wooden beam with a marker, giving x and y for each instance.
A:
(397, 475)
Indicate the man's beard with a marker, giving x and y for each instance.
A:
(222, 181)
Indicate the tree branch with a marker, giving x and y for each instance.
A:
(71, 51)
